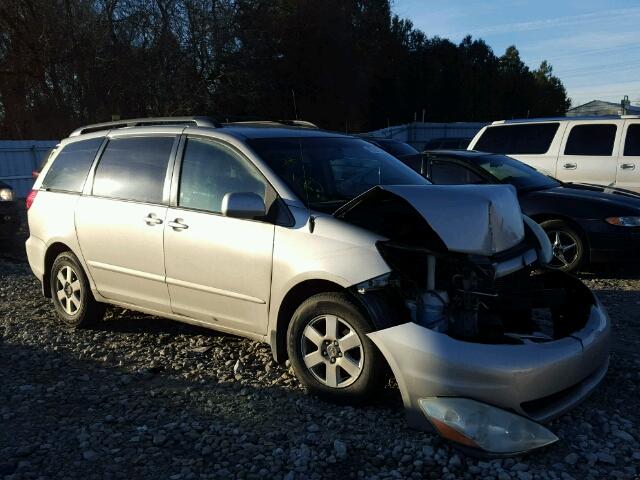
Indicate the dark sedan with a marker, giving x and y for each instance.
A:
(585, 223)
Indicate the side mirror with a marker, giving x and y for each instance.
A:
(243, 205)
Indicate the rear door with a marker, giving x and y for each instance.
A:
(120, 225)
(218, 268)
(628, 175)
(588, 152)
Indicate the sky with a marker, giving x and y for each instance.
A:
(593, 45)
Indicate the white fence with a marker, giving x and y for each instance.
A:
(418, 133)
(18, 159)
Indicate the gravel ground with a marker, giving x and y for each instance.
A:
(143, 397)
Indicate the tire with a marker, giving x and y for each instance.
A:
(71, 293)
(340, 368)
(567, 245)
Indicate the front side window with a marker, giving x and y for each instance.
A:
(210, 171)
(446, 173)
(530, 138)
(326, 172)
(594, 140)
(133, 168)
(70, 168)
(632, 142)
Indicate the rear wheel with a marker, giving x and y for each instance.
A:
(566, 244)
(330, 352)
(71, 293)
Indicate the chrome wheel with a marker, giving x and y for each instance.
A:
(564, 247)
(332, 351)
(68, 290)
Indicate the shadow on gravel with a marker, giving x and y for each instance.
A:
(69, 416)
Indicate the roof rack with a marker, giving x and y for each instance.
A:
(145, 122)
(275, 123)
(564, 119)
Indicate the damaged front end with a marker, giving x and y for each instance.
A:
(484, 342)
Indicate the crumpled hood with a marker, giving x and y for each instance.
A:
(472, 219)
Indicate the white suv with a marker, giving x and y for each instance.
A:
(601, 150)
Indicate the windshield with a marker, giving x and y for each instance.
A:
(326, 172)
(397, 149)
(518, 174)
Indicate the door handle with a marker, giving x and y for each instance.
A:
(178, 225)
(570, 166)
(152, 219)
(628, 166)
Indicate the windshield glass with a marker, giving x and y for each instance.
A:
(397, 149)
(518, 174)
(327, 172)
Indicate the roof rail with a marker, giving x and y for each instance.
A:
(274, 123)
(565, 119)
(145, 122)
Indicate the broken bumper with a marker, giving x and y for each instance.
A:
(539, 381)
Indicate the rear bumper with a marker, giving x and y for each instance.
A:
(612, 243)
(539, 381)
(36, 250)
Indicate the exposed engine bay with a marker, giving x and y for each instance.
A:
(460, 295)
(465, 263)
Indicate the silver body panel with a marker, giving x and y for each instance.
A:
(234, 274)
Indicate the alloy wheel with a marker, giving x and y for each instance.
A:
(68, 290)
(564, 247)
(332, 351)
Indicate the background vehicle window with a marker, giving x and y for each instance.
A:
(632, 142)
(523, 139)
(71, 166)
(591, 140)
(210, 171)
(445, 173)
(133, 168)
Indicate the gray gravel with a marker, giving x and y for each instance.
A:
(142, 397)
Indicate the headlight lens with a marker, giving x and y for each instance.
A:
(623, 221)
(6, 194)
(478, 425)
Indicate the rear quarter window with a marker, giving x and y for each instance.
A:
(70, 168)
(518, 139)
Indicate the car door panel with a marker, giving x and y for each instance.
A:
(577, 164)
(219, 269)
(122, 243)
(628, 174)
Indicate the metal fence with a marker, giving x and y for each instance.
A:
(18, 159)
(418, 134)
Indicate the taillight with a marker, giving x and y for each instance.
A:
(30, 198)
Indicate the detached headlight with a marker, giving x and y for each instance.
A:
(6, 194)
(623, 221)
(480, 426)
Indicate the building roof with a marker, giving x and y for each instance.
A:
(603, 105)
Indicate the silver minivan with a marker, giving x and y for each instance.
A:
(341, 258)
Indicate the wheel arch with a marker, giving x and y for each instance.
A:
(51, 254)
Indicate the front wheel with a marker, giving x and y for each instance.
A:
(330, 352)
(566, 244)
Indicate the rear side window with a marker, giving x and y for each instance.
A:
(591, 140)
(445, 173)
(632, 142)
(71, 166)
(523, 139)
(133, 168)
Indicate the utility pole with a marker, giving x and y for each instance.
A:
(625, 103)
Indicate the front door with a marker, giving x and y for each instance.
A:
(218, 268)
(120, 226)
(588, 153)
